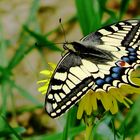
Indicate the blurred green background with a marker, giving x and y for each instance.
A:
(22, 24)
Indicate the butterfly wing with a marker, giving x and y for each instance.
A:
(123, 41)
(125, 33)
(87, 68)
(70, 81)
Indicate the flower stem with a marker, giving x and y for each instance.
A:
(89, 120)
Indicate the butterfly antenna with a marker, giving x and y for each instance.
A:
(64, 33)
(39, 44)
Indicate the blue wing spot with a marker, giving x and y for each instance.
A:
(131, 50)
(100, 82)
(116, 69)
(115, 75)
(109, 79)
(133, 54)
(132, 58)
(126, 59)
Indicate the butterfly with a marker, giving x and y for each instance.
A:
(99, 61)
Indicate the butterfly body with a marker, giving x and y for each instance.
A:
(89, 50)
(100, 61)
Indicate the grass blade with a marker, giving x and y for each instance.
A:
(17, 57)
(71, 123)
(3, 49)
(9, 130)
(131, 121)
(65, 131)
(23, 37)
(4, 99)
(88, 13)
(123, 8)
(102, 7)
(42, 40)
(33, 10)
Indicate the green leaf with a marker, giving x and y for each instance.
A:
(32, 13)
(102, 7)
(42, 40)
(88, 12)
(76, 130)
(17, 56)
(102, 131)
(3, 48)
(20, 52)
(109, 21)
(7, 130)
(71, 122)
(65, 131)
(4, 98)
(131, 121)
(123, 8)
(73, 117)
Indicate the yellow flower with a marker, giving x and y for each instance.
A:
(48, 73)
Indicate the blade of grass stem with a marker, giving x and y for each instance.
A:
(88, 13)
(42, 40)
(123, 8)
(3, 48)
(11, 129)
(4, 98)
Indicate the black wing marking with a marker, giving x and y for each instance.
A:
(71, 80)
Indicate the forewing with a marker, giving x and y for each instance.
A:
(70, 81)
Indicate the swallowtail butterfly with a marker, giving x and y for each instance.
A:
(99, 61)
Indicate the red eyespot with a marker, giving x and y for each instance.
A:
(122, 63)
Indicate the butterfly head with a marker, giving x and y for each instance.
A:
(71, 46)
(75, 45)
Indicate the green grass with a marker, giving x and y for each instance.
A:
(90, 15)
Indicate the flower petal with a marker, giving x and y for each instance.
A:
(114, 106)
(52, 65)
(80, 109)
(41, 89)
(88, 106)
(94, 101)
(116, 94)
(42, 81)
(105, 100)
(46, 72)
(129, 89)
